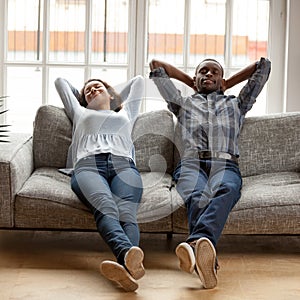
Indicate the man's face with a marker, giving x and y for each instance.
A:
(208, 77)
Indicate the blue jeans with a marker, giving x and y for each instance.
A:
(210, 189)
(111, 187)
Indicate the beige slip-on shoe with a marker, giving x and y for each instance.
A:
(205, 254)
(133, 261)
(186, 256)
(117, 273)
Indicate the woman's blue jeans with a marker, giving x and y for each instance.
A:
(111, 187)
(210, 189)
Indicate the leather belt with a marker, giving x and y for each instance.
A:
(217, 154)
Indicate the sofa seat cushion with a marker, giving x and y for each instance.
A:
(47, 201)
(270, 190)
(156, 199)
(269, 205)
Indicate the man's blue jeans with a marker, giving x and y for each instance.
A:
(111, 187)
(210, 188)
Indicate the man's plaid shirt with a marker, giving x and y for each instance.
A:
(211, 122)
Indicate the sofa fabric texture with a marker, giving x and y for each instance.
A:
(51, 137)
(34, 195)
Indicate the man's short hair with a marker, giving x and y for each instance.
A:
(214, 60)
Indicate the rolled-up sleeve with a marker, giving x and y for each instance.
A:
(167, 89)
(254, 86)
(68, 97)
(133, 93)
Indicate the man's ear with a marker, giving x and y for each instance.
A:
(194, 86)
(223, 85)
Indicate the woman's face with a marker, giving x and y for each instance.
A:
(96, 91)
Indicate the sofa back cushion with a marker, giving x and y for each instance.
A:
(152, 135)
(52, 135)
(269, 144)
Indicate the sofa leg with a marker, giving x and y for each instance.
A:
(169, 235)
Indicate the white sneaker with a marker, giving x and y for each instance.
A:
(186, 257)
(133, 261)
(117, 273)
(206, 262)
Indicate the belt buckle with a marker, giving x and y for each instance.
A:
(223, 155)
(205, 154)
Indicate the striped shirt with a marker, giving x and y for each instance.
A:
(211, 122)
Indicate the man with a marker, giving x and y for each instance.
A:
(207, 176)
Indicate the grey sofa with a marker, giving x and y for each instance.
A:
(34, 195)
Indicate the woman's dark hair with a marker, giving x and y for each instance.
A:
(116, 101)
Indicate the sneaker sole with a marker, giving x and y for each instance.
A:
(134, 262)
(117, 273)
(186, 257)
(205, 263)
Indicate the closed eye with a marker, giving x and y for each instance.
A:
(88, 90)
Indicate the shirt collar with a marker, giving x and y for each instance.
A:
(219, 92)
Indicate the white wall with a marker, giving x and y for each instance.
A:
(276, 46)
(292, 79)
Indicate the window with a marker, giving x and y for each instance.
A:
(115, 40)
(233, 32)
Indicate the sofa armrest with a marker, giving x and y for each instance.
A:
(16, 165)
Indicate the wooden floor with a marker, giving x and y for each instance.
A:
(65, 265)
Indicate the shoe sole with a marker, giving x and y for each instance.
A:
(205, 262)
(117, 273)
(134, 262)
(186, 257)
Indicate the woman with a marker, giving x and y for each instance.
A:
(105, 177)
